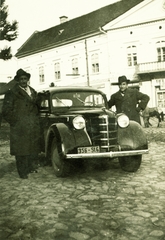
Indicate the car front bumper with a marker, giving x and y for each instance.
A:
(111, 154)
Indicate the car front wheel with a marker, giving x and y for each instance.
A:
(60, 166)
(130, 163)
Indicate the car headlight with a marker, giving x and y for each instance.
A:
(79, 122)
(123, 120)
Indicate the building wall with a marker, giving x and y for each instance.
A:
(111, 47)
(7, 69)
(144, 37)
(82, 50)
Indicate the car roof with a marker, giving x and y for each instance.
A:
(73, 88)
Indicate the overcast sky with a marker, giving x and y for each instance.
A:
(38, 15)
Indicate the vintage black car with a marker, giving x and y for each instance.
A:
(76, 124)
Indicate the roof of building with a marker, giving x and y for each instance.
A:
(71, 30)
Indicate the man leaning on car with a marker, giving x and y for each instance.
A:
(128, 101)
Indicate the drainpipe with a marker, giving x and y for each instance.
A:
(105, 32)
(87, 68)
(102, 30)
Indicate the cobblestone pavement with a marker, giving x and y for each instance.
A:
(95, 204)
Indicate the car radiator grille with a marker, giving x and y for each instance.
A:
(103, 132)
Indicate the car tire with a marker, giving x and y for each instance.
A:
(60, 165)
(130, 163)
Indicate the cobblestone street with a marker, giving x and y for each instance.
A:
(95, 204)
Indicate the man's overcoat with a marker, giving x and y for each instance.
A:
(21, 112)
(131, 103)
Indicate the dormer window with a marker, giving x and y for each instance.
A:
(60, 31)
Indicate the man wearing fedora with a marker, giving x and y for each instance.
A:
(21, 112)
(128, 101)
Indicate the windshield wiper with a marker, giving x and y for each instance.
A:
(80, 100)
(58, 99)
(87, 104)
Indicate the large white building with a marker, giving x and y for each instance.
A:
(123, 38)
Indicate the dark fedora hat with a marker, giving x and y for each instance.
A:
(122, 79)
(20, 73)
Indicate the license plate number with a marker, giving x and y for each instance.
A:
(95, 149)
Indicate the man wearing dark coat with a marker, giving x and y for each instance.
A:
(4, 87)
(128, 101)
(21, 112)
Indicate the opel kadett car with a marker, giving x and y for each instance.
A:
(76, 124)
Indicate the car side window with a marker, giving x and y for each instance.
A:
(44, 103)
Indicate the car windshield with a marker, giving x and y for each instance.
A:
(77, 99)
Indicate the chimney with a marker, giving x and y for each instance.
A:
(63, 19)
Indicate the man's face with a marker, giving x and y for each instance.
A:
(123, 86)
(23, 80)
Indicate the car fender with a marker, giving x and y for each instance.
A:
(67, 138)
(132, 136)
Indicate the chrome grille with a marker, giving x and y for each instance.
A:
(102, 131)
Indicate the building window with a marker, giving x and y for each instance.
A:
(131, 56)
(75, 66)
(161, 100)
(161, 51)
(57, 71)
(41, 74)
(95, 63)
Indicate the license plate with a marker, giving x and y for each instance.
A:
(94, 149)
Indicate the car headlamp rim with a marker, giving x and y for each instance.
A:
(78, 122)
(123, 120)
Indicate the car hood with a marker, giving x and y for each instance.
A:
(85, 112)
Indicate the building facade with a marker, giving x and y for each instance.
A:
(124, 38)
